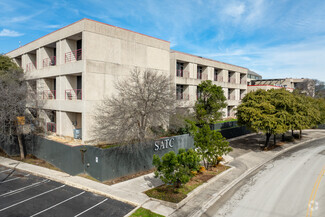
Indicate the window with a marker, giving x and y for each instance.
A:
(199, 72)
(180, 69)
(179, 92)
(198, 93)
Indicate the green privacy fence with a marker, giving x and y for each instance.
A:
(103, 164)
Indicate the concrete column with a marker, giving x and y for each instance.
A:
(39, 60)
(59, 52)
(225, 75)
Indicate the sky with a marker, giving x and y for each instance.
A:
(275, 38)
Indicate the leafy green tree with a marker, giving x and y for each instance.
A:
(265, 111)
(176, 169)
(306, 113)
(210, 101)
(210, 144)
(13, 99)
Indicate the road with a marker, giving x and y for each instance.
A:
(23, 194)
(291, 185)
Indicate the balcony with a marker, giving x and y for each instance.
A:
(49, 61)
(182, 73)
(31, 67)
(243, 81)
(73, 94)
(49, 94)
(232, 80)
(231, 97)
(51, 127)
(182, 96)
(73, 56)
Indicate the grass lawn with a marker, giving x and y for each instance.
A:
(141, 212)
(171, 194)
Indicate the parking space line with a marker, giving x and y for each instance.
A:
(91, 208)
(32, 198)
(57, 204)
(12, 192)
(9, 180)
(5, 170)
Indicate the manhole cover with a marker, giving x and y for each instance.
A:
(322, 152)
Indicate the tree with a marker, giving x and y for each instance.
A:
(144, 100)
(210, 144)
(319, 89)
(12, 98)
(176, 169)
(211, 100)
(307, 87)
(265, 111)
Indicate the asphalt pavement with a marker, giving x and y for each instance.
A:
(291, 185)
(23, 194)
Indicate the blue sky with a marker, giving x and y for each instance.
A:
(275, 38)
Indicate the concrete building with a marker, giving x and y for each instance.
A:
(252, 76)
(188, 71)
(75, 68)
(288, 83)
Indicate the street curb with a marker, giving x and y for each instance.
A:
(192, 193)
(219, 194)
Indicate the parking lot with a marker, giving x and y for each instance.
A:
(23, 194)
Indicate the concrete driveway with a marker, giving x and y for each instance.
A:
(23, 194)
(290, 185)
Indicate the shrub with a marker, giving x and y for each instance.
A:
(176, 169)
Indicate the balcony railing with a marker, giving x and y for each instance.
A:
(243, 81)
(205, 76)
(182, 73)
(182, 96)
(49, 94)
(232, 80)
(73, 56)
(231, 97)
(51, 127)
(49, 61)
(73, 94)
(31, 67)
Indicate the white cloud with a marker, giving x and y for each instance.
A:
(53, 26)
(235, 10)
(302, 59)
(10, 33)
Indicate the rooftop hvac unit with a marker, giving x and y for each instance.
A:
(77, 133)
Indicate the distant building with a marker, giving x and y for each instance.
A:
(252, 76)
(288, 83)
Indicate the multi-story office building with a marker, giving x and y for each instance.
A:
(189, 71)
(74, 68)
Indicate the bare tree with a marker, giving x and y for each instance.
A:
(12, 99)
(145, 100)
(307, 87)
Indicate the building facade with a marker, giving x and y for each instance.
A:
(74, 68)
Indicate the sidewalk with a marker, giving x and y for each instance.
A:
(246, 158)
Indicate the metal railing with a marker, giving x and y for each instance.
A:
(30, 67)
(73, 55)
(182, 96)
(205, 76)
(49, 94)
(51, 61)
(51, 127)
(73, 94)
(182, 73)
(232, 80)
